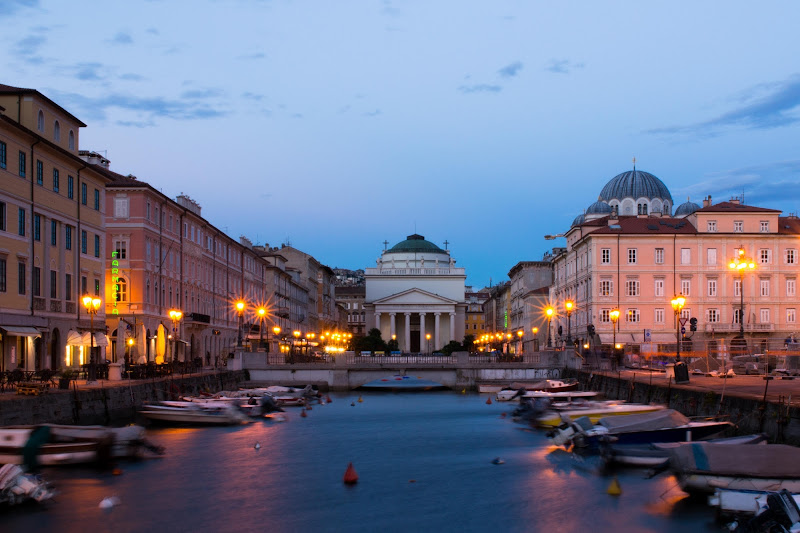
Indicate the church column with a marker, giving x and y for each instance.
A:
(422, 346)
(407, 346)
(392, 325)
(378, 320)
(452, 326)
(436, 343)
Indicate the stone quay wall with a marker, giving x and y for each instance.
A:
(107, 405)
(778, 419)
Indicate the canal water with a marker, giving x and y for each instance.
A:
(424, 461)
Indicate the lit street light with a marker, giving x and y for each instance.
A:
(261, 314)
(568, 305)
(614, 316)
(549, 312)
(240, 305)
(535, 332)
(677, 304)
(276, 331)
(92, 305)
(741, 264)
(175, 315)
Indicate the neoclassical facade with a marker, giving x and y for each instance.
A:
(415, 295)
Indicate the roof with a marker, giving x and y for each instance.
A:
(8, 89)
(635, 184)
(735, 207)
(415, 243)
(686, 208)
(633, 225)
(789, 225)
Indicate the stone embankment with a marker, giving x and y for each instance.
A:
(108, 402)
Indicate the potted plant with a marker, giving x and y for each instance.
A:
(65, 376)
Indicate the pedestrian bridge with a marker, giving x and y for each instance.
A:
(348, 371)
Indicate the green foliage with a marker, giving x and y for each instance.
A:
(373, 342)
(450, 347)
(469, 343)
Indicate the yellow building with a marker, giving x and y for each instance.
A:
(52, 241)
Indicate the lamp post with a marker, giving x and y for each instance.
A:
(276, 331)
(240, 305)
(568, 305)
(677, 304)
(296, 335)
(535, 332)
(549, 312)
(262, 312)
(741, 264)
(175, 315)
(428, 338)
(519, 334)
(614, 316)
(92, 305)
(129, 356)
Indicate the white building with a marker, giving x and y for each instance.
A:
(416, 295)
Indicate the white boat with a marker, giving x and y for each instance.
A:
(742, 502)
(195, 413)
(18, 487)
(62, 444)
(703, 467)
(515, 390)
(656, 454)
(594, 411)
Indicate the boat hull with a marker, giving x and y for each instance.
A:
(556, 418)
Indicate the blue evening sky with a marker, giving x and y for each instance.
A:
(336, 125)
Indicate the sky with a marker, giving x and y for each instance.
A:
(336, 126)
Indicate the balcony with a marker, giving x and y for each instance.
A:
(197, 317)
(70, 307)
(55, 306)
(733, 328)
(38, 304)
(282, 312)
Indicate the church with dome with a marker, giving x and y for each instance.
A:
(415, 294)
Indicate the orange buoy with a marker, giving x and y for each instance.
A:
(489, 400)
(117, 471)
(303, 414)
(350, 475)
(328, 399)
(308, 407)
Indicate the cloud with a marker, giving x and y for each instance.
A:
(762, 185)
(134, 123)
(509, 71)
(254, 55)
(372, 113)
(121, 38)
(132, 77)
(153, 31)
(199, 94)
(480, 88)
(563, 66)
(253, 96)
(9, 7)
(29, 45)
(779, 107)
(89, 71)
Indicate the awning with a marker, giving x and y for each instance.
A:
(183, 342)
(638, 338)
(100, 339)
(21, 331)
(83, 339)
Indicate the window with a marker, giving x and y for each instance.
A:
(712, 315)
(83, 193)
(21, 277)
(737, 316)
(686, 286)
(68, 287)
(37, 227)
(121, 290)
(712, 226)
(764, 316)
(96, 200)
(764, 284)
(764, 226)
(605, 256)
(97, 245)
(83, 241)
(763, 256)
(632, 287)
(36, 279)
(631, 256)
(659, 315)
(39, 173)
(40, 121)
(659, 287)
(97, 287)
(71, 140)
(737, 287)
(83, 285)
(711, 256)
(53, 233)
(53, 284)
(738, 226)
(641, 209)
(21, 222)
(686, 256)
(659, 256)
(3, 216)
(70, 187)
(68, 238)
(632, 315)
(57, 131)
(606, 287)
(121, 249)
(148, 210)
(791, 315)
(3, 275)
(120, 208)
(22, 164)
(712, 287)
(791, 256)
(55, 180)
(686, 313)
(790, 287)
(605, 316)
(3, 155)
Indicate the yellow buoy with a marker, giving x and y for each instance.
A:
(360, 399)
(614, 489)
(463, 391)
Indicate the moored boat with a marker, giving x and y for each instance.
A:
(516, 390)
(405, 383)
(594, 411)
(195, 413)
(656, 454)
(17, 487)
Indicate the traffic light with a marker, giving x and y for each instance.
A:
(693, 324)
(590, 330)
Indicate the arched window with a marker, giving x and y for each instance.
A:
(57, 131)
(40, 121)
(121, 289)
(642, 209)
(71, 140)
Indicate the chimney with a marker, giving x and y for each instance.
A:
(707, 201)
(735, 200)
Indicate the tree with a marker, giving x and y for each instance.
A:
(371, 343)
(469, 343)
(450, 347)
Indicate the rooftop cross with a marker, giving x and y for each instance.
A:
(385, 244)
(634, 163)
(445, 244)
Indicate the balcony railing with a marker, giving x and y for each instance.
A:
(198, 317)
(718, 327)
(55, 306)
(70, 307)
(38, 304)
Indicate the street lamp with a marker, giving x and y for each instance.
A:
(535, 332)
(519, 334)
(677, 304)
(240, 305)
(276, 331)
(428, 338)
(549, 312)
(614, 316)
(175, 315)
(296, 334)
(130, 355)
(741, 264)
(92, 305)
(261, 314)
(568, 305)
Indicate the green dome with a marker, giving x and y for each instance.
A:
(415, 243)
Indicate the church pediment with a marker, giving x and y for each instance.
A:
(415, 297)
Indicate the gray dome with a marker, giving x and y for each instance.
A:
(599, 208)
(580, 219)
(635, 184)
(686, 208)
